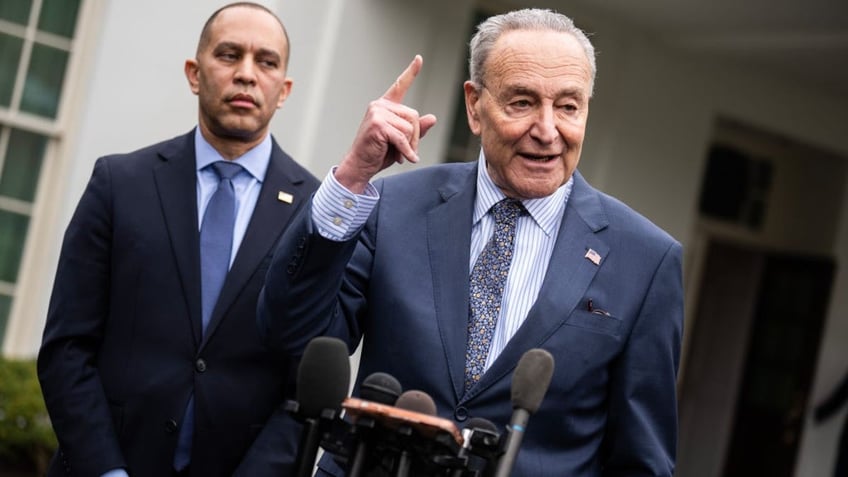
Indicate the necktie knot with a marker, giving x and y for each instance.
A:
(226, 169)
(507, 210)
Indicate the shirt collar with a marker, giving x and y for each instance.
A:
(546, 211)
(255, 161)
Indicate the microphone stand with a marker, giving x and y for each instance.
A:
(364, 426)
(309, 440)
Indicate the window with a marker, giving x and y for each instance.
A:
(36, 42)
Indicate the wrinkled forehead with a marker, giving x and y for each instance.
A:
(537, 56)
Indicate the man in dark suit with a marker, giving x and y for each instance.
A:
(591, 281)
(140, 341)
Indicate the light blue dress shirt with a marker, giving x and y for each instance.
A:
(247, 186)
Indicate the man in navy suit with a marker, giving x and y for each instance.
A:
(591, 281)
(130, 356)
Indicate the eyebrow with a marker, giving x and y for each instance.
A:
(524, 90)
(231, 45)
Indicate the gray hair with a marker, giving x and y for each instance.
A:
(492, 28)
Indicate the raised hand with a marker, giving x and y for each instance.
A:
(388, 133)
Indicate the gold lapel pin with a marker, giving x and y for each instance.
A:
(285, 197)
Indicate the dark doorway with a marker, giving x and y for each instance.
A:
(792, 300)
(759, 317)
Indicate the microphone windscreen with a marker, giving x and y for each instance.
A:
(531, 379)
(481, 423)
(416, 401)
(380, 387)
(323, 376)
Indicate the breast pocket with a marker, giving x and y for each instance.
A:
(597, 320)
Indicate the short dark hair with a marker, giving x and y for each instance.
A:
(204, 34)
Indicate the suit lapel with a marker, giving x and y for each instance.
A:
(566, 280)
(449, 243)
(269, 218)
(176, 184)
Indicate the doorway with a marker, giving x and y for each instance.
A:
(759, 278)
(750, 367)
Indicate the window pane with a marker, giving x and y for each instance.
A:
(13, 229)
(10, 56)
(44, 80)
(59, 17)
(16, 11)
(22, 165)
(5, 305)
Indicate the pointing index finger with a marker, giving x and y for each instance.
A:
(402, 84)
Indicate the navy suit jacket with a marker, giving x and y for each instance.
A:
(402, 284)
(123, 349)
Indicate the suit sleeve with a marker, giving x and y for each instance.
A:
(314, 287)
(76, 317)
(642, 427)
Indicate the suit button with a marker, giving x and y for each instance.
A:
(170, 426)
(200, 365)
(460, 413)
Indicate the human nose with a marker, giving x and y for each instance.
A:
(246, 72)
(544, 127)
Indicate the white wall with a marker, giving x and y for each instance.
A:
(349, 55)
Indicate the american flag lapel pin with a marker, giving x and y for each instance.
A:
(593, 256)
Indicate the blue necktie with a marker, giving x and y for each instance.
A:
(216, 242)
(488, 278)
(216, 237)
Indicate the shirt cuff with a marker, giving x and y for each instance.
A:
(337, 213)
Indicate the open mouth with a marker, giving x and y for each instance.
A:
(539, 157)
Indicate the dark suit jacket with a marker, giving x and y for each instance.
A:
(122, 347)
(403, 285)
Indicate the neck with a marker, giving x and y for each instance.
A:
(231, 147)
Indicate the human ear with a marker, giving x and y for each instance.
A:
(472, 102)
(192, 73)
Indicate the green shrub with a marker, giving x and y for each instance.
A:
(26, 436)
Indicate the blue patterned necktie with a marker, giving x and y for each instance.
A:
(216, 242)
(488, 278)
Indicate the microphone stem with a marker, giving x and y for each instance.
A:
(358, 460)
(513, 441)
(309, 442)
(404, 464)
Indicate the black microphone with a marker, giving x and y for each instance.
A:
(480, 437)
(323, 378)
(418, 402)
(530, 382)
(380, 388)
